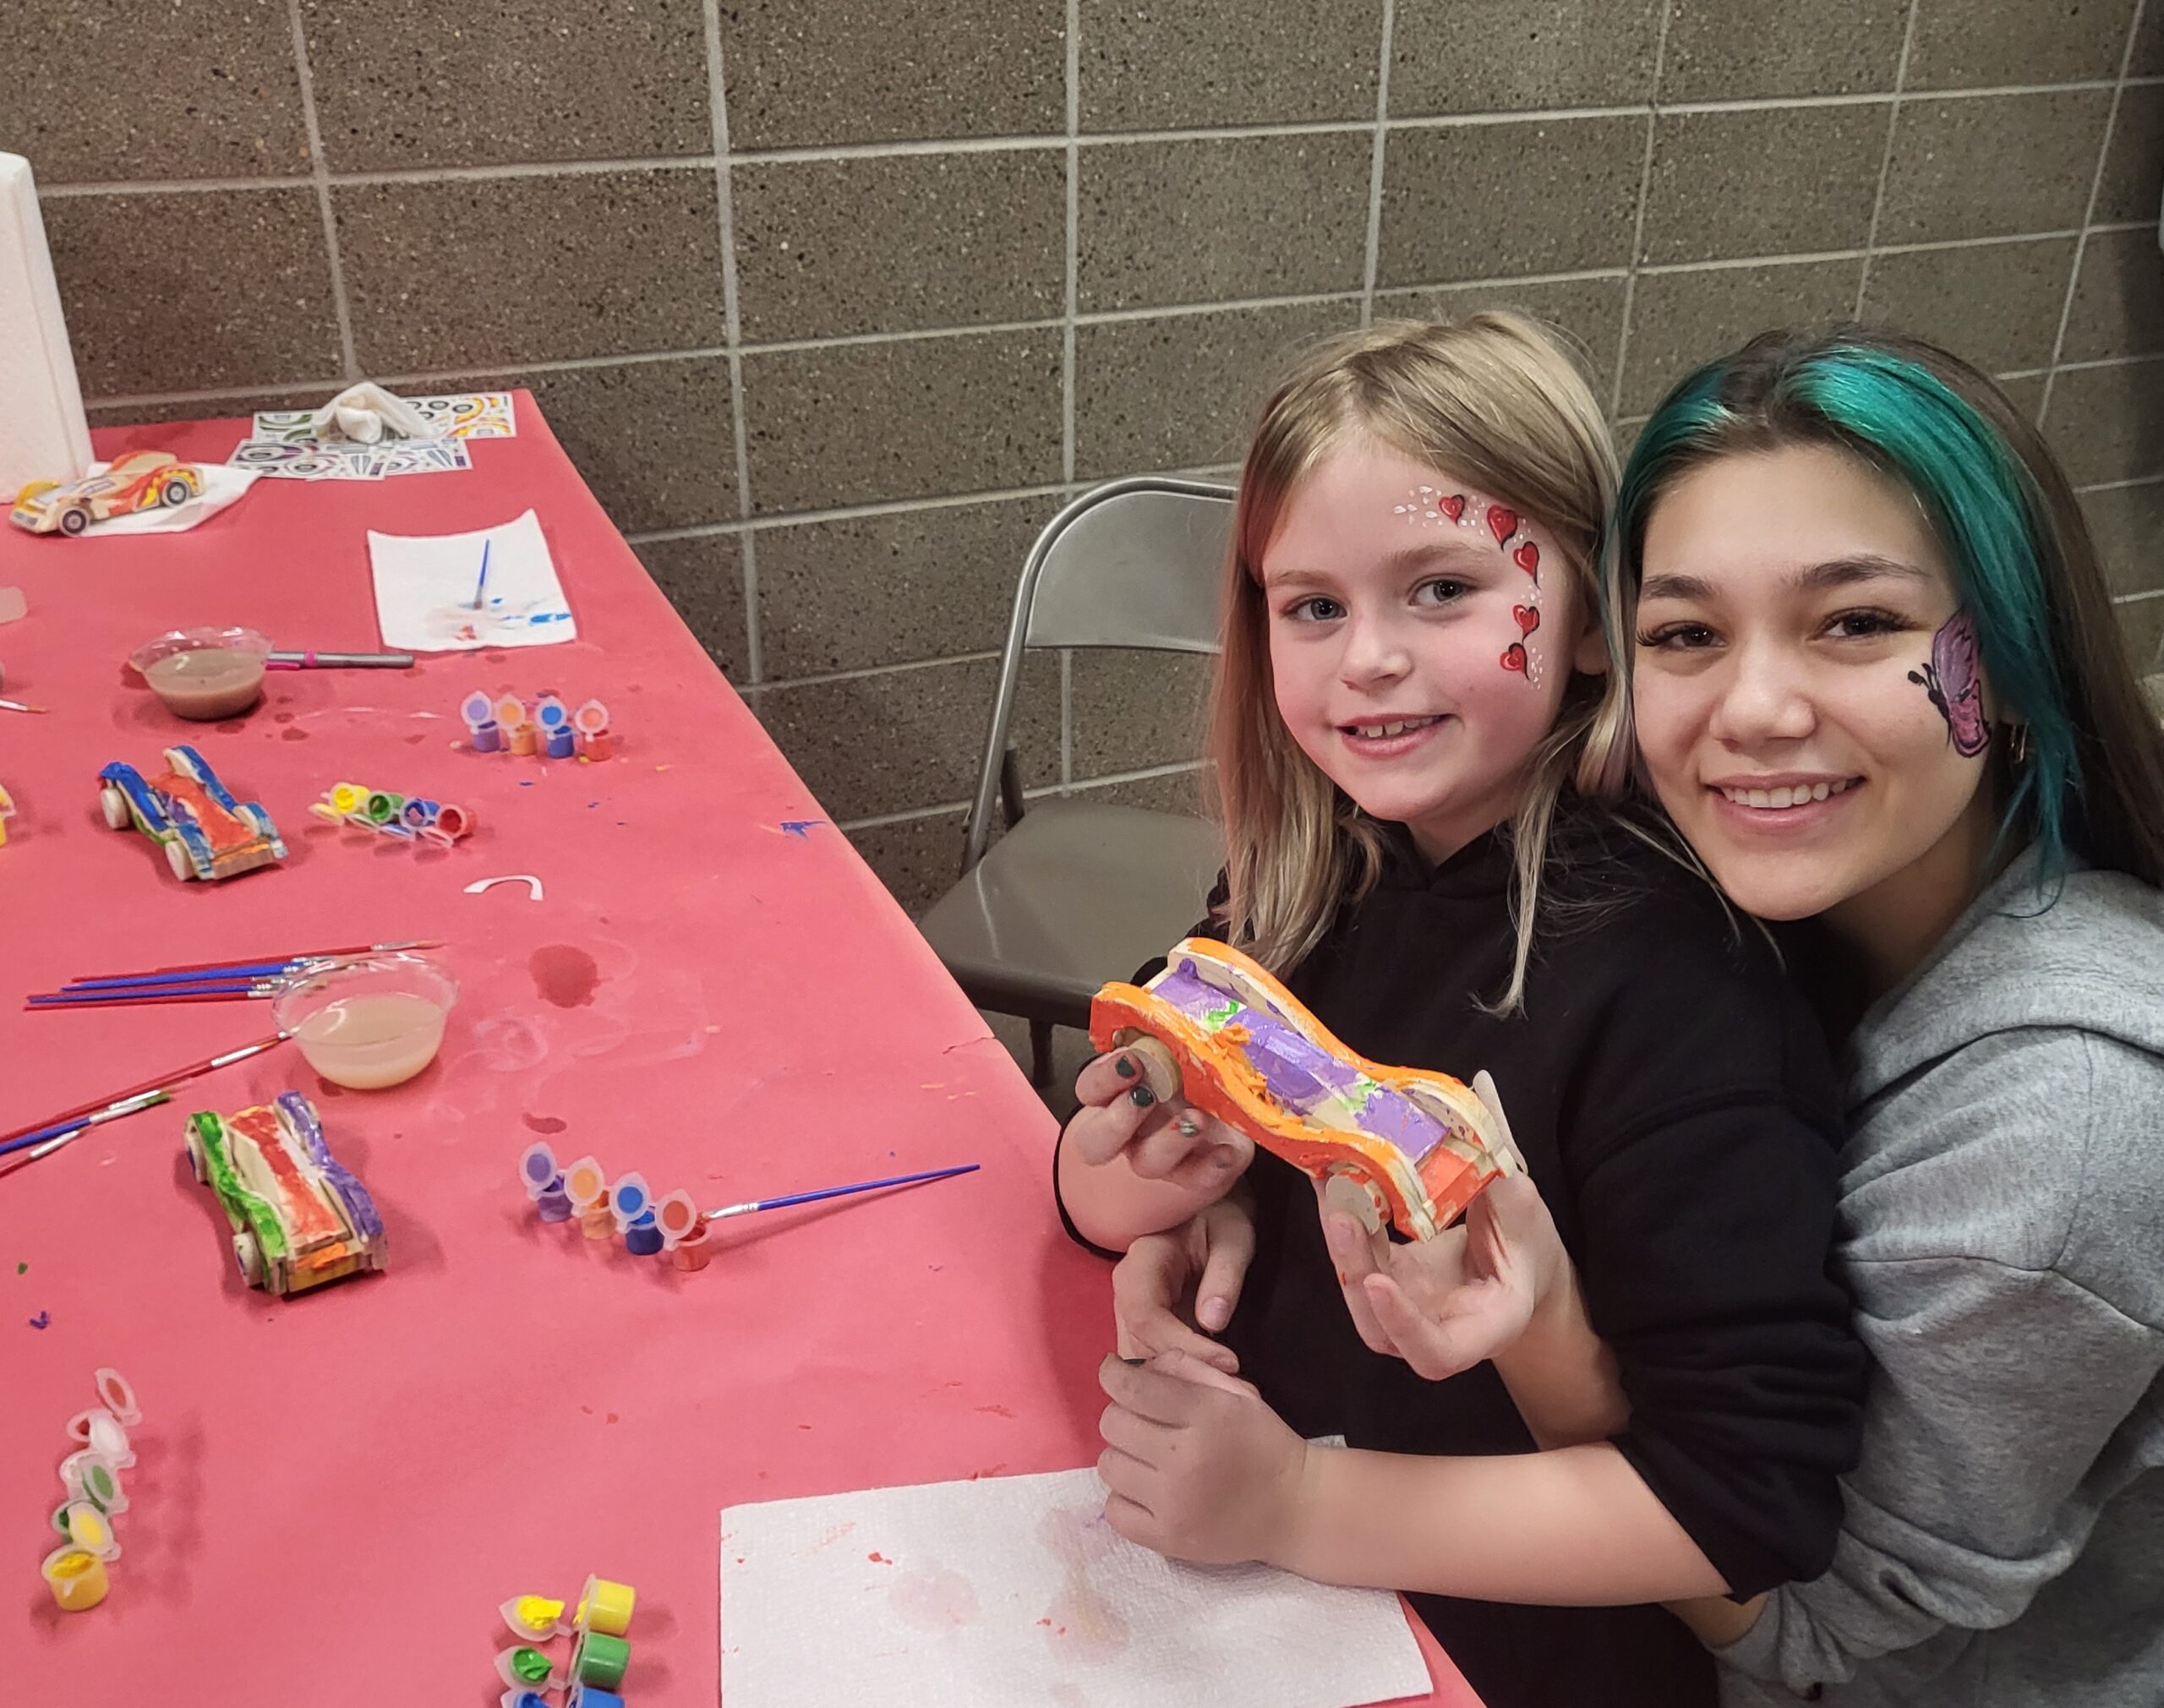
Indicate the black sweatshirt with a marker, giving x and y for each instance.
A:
(1673, 1100)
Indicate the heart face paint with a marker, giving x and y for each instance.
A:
(1434, 507)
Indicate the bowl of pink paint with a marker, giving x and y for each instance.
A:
(369, 1023)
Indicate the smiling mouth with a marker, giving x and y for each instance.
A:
(1396, 726)
(1780, 800)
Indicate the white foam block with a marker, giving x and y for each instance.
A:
(44, 434)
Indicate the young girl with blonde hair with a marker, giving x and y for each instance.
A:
(1411, 666)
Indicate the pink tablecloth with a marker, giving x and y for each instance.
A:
(336, 1492)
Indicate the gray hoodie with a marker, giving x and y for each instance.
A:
(2002, 1230)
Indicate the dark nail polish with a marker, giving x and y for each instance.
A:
(1142, 1096)
(1137, 1362)
(1124, 1067)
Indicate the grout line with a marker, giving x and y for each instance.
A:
(732, 331)
(1731, 263)
(1633, 260)
(1072, 280)
(2118, 485)
(2090, 362)
(1376, 168)
(320, 174)
(2138, 598)
(2089, 212)
(1886, 159)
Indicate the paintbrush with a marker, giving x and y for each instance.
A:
(50, 1139)
(18, 705)
(237, 970)
(163, 1082)
(756, 1205)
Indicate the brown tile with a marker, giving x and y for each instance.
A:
(854, 423)
(1769, 181)
(1997, 305)
(1586, 313)
(1128, 420)
(2127, 522)
(185, 291)
(1985, 44)
(414, 83)
(2141, 621)
(861, 591)
(1219, 61)
(652, 439)
(1679, 320)
(1720, 51)
(899, 739)
(2118, 302)
(1130, 710)
(703, 577)
(2133, 182)
(1531, 196)
(2107, 423)
(2025, 392)
(1255, 217)
(97, 91)
(1192, 792)
(918, 859)
(1501, 56)
(847, 71)
(2148, 58)
(530, 269)
(896, 244)
(1626, 432)
(218, 409)
(1991, 166)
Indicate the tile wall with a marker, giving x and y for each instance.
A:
(834, 304)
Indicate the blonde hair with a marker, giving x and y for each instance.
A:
(1495, 401)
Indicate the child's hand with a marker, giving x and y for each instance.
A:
(1443, 1305)
(1197, 1466)
(1162, 1137)
(1209, 1255)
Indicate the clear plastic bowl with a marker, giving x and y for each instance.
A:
(370, 1023)
(204, 675)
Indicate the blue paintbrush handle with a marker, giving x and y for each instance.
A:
(210, 975)
(835, 1191)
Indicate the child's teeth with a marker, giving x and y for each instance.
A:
(1779, 799)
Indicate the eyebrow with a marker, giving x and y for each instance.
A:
(1819, 578)
(1400, 562)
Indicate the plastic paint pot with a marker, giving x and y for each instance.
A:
(600, 1659)
(642, 1239)
(605, 1607)
(693, 1251)
(76, 1578)
(561, 741)
(522, 739)
(453, 821)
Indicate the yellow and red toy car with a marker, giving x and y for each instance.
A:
(141, 480)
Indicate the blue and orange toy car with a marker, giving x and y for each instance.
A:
(205, 833)
(141, 480)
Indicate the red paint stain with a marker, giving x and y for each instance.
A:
(292, 734)
(587, 1410)
(544, 1123)
(283, 716)
(989, 1470)
(996, 1411)
(324, 1088)
(415, 740)
(564, 974)
(878, 1558)
(232, 728)
(610, 1418)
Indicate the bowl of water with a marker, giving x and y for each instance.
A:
(204, 675)
(369, 1023)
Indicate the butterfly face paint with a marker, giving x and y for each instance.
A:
(1393, 596)
(1429, 506)
(1956, 689)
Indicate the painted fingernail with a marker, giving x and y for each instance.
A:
(1142, 1096)
(1189, 1126)
(1136, 1362)
(1225, 1156)
(1124, 1067)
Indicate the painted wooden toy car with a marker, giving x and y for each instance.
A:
(1400, 1144)
(299, 1218)
(141, 480)
(204, 832)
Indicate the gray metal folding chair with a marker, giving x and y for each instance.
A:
(1077, 892)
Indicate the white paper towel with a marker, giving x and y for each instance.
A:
(1008, 1590)
(44, 434)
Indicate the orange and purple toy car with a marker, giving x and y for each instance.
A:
(141, 480)
(1398, 1144)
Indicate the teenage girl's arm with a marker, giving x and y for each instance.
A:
(1199, 1467)
(1130, 1163)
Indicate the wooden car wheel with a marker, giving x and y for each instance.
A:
(75, 519)
(114, 804)
(176, 491)
(176, 858)
(249, 1256)
(1347, 1188)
